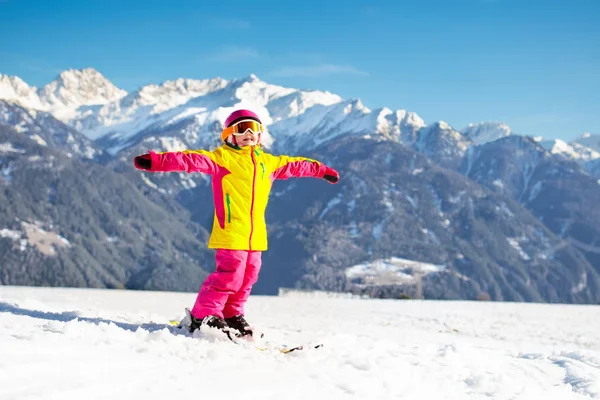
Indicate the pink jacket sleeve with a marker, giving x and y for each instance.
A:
(297, 167)
(188, 161)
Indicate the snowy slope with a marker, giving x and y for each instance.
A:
(94, 344)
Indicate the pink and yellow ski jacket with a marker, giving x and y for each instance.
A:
(241, 182)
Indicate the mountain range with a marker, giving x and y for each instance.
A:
(499, 215)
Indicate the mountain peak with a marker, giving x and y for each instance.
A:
(443, 125)
(15, 89)
(252, 78)
(73, 88)
(72, 73)
(484, 132)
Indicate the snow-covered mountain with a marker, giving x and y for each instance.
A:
(45, 130)
(90, 103)
(443, 144)
(554, 188)
(589, 140)
(14, 88)
(188, 113)
(392, 202)
(323, 123)
(69, 91)
(485, 132)
(76, 88)
(573, 151)
(192, 111)
(585, 156)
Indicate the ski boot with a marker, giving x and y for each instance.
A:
(239, 323)
(192, 323)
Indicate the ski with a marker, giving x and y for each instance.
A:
(265, 346)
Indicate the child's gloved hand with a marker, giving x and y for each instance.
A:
(143, 162)
(331, 175)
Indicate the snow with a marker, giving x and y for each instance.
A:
(515, 244)
(98, 344)
(392, 270)
(7, 147)
(15, 236)
(574, 151)
(11, 234)
(330, 204)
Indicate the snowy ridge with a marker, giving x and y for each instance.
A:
(589, 140)
(323, 123)
(117, 344)
(443, 144)
(15, 89)
(89, 103)
(202, 103)
(194, 109)
(70, 90)
(75, 88)
(485, 132)
(572, 151)
(442, 130)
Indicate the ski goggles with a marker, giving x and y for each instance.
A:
(244, 126)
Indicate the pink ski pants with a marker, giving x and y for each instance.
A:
(225, 291)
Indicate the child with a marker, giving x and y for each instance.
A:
(242, 175)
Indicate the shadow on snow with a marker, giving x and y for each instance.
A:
(67, 316)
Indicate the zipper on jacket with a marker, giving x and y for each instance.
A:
(228, 201)
(252, 203)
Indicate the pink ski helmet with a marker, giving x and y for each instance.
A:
(236, 116)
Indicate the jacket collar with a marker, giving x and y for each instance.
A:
(242, 150)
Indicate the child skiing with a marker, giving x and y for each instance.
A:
(242, 175)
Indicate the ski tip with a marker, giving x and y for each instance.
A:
(286, 350)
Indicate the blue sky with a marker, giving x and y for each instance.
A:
(532, 64)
